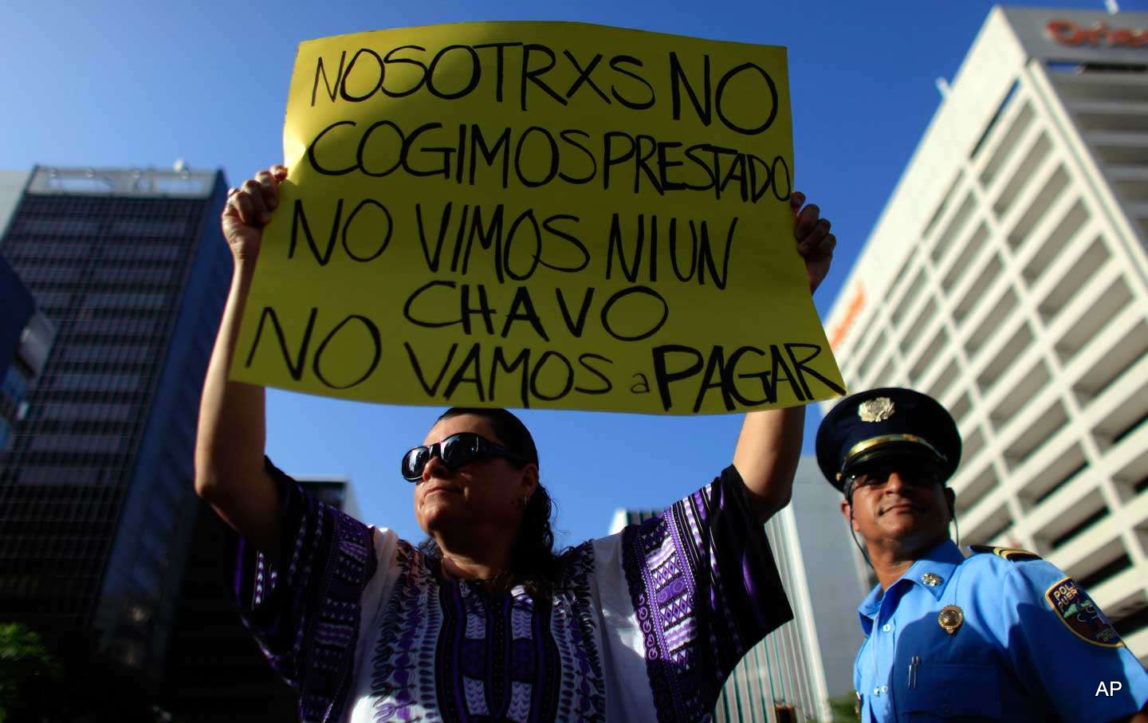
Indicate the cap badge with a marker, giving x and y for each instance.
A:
(875, 410)
(931, 579)
(951, 619)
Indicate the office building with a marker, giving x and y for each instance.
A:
(334, 491)
(214, 670)
(96, 490)
(799, 668)
(25, 334)
(1007, 277)
(25, 338)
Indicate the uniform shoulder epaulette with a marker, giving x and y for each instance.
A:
(1011, 554)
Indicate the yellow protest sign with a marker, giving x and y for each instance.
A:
(535, 214)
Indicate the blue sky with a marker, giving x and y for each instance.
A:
(132, 83)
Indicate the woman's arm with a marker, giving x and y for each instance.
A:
(229, 471)
(769, 445)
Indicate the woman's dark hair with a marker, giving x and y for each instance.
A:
(533, 562)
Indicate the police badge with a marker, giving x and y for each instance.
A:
(951, 619)
(877, 409)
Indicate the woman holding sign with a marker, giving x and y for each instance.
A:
(486, 622)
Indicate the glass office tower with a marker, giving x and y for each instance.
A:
(214, 669)
(25, 336)
(96, 489)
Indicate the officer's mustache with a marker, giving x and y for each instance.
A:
(890, 504)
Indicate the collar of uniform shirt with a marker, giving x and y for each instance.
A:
(941, 560)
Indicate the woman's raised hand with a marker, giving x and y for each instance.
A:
(814, 241)
(232, 436)
(248, 210)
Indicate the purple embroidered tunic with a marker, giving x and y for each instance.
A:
(643, 625)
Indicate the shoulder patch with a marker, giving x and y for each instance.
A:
(1011, 554)
(1080, 615)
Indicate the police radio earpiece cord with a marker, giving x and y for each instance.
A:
(852, 532)
(956, 527)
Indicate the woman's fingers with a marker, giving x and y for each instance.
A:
(253, 202)
(269, 191)
(827, 245)
(796, 201)
(810, 243)
(815, 241)
(252, 192)
(241, 206)
(806, 222)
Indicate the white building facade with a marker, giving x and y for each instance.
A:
(1008, 278)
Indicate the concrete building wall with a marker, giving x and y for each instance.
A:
(1007, 277)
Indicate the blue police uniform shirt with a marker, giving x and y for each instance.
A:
(1012, 658)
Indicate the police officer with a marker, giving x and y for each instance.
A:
(999, 635)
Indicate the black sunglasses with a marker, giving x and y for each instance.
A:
(454, 451)
(877, 476)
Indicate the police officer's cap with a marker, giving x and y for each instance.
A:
(886, 424)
